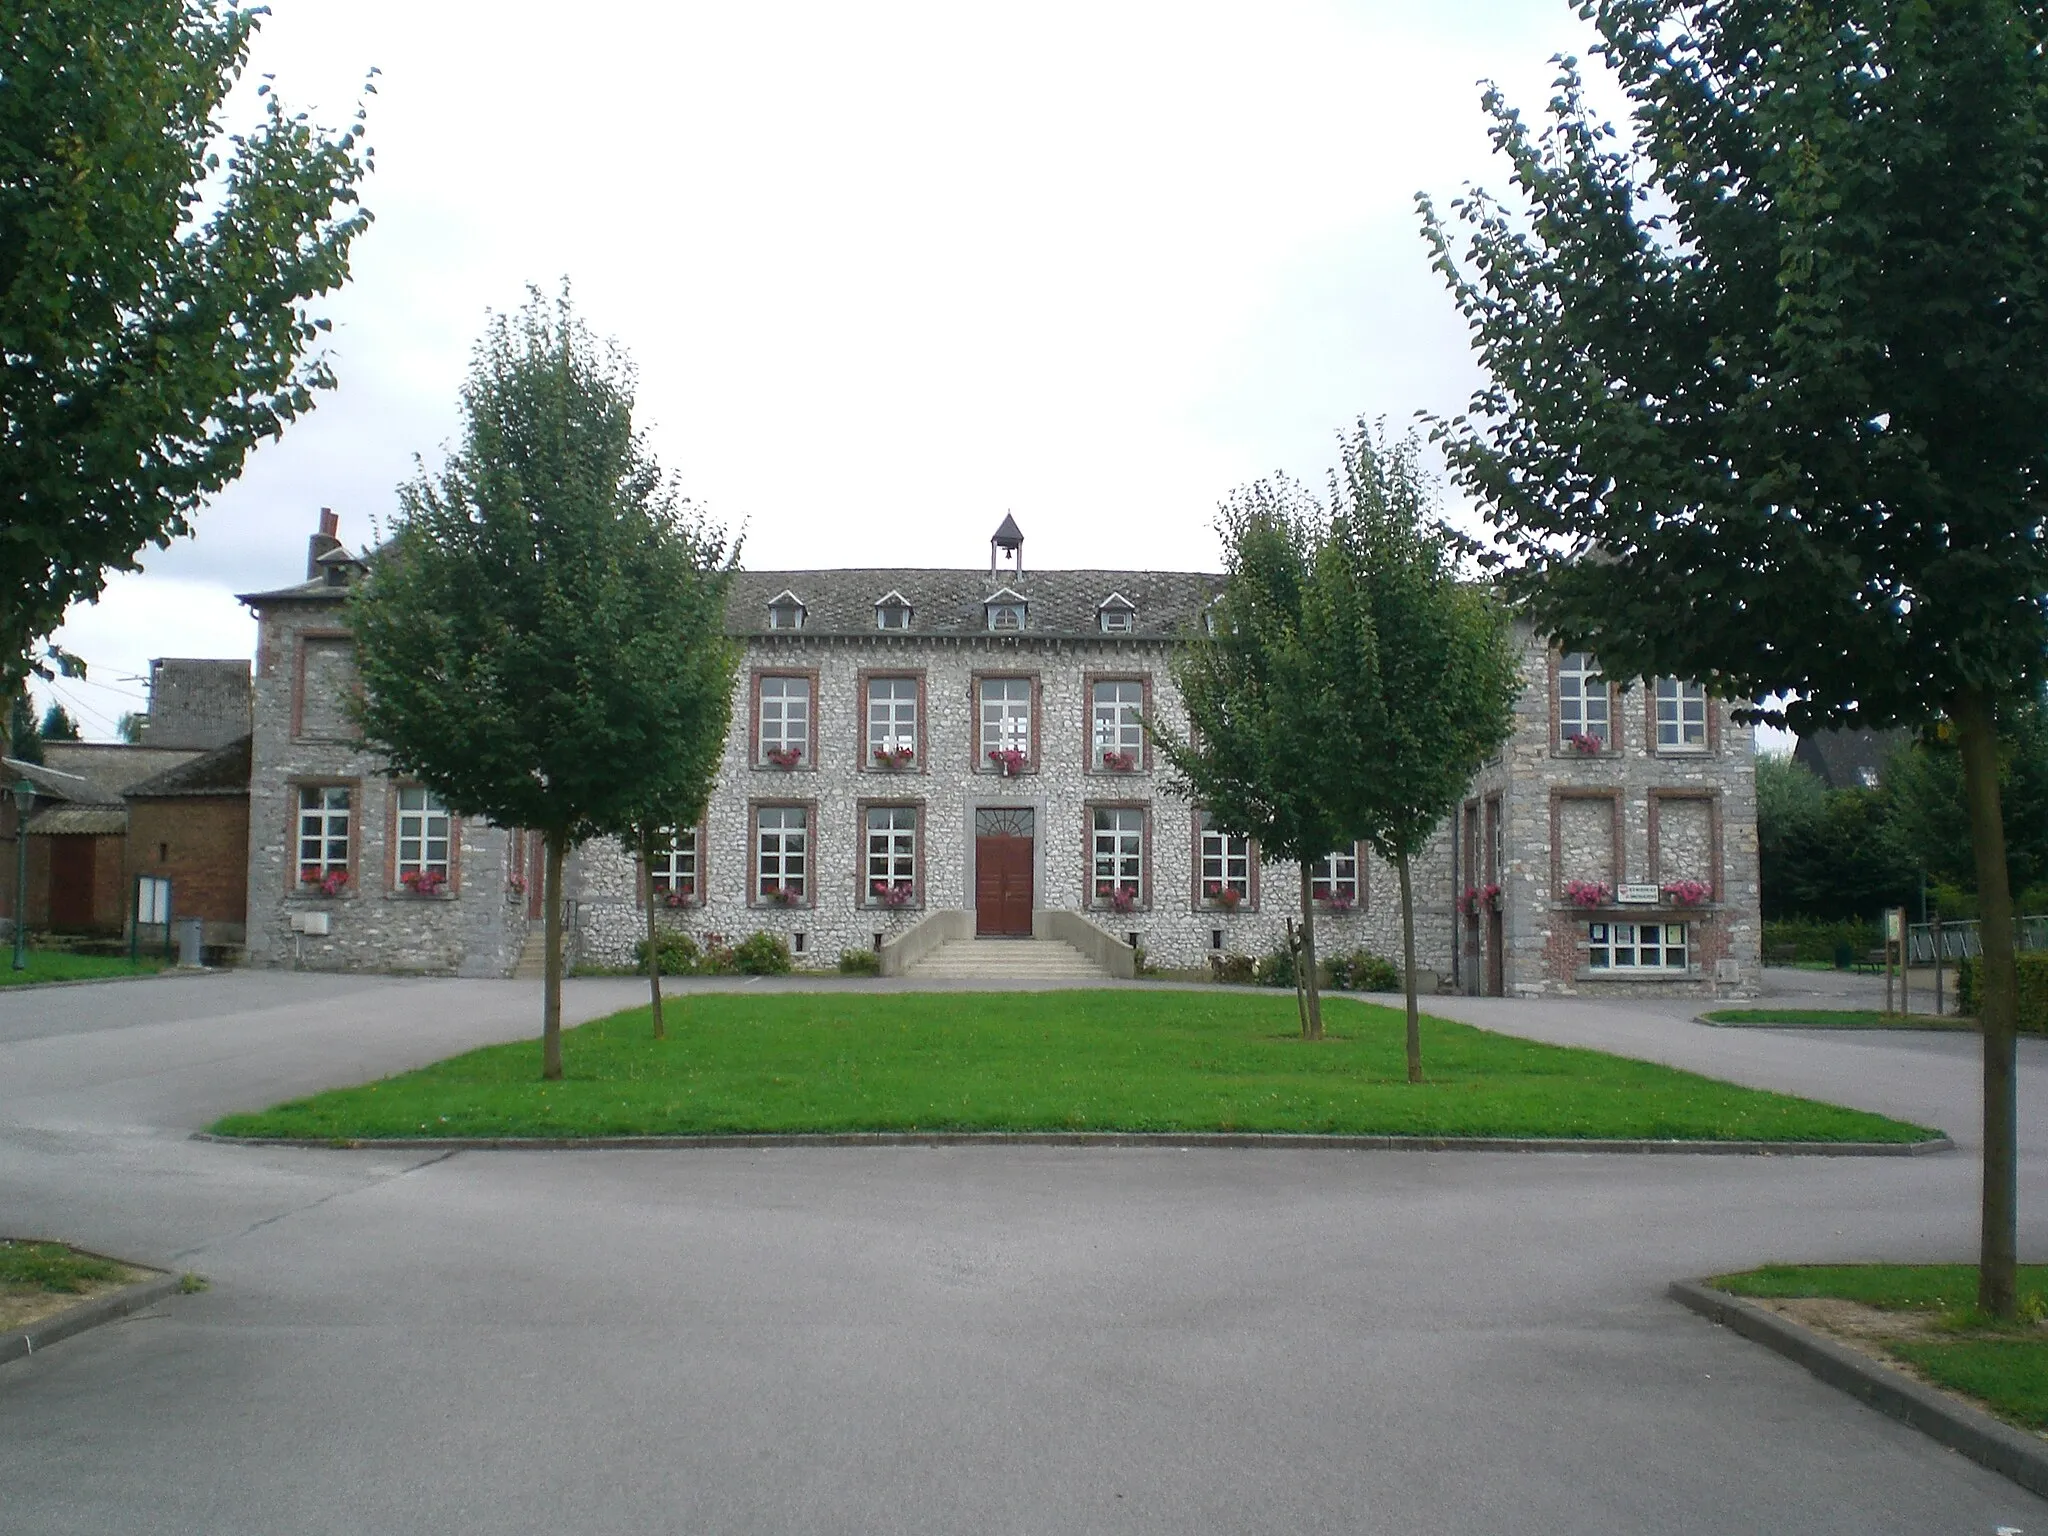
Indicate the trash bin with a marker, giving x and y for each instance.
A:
(1845, 957)
(190, 933)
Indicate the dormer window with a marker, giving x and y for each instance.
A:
(892, 612)
(786, 612)
(1006, 610)
(1118, 615)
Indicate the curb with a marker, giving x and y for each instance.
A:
(87, 1314)
(101, 981)
(1250, 1140)
(1985, 1440)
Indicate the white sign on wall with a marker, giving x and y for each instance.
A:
(1637, 896)
(152, 900)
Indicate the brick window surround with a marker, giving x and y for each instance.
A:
(1088, 810)
(1092, 749)
(295, 803)
(1711, 749)
(655, 881)
(394, 822)
(302, 642)
(866, 897)
(1603, 697)
(757, 748)
(809, 852)
(1558, 797)
(1659, 798)
(978, 750)
(1199, 877)
(864, 746)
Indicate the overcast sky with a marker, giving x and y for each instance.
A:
(888, 271)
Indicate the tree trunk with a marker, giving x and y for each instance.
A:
(1997, 1008)
(551, 939)
(653, 933)
(1408, 969)
(1306, 965)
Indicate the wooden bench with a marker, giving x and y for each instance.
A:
(1782, 954)
(1873, 959)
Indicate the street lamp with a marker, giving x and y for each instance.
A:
(24, 797)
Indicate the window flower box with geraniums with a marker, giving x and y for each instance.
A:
(425, 882)
(332, 883)
(781, 895)
(1219, 895)
(1119, 762)
(1009, 761)
(1585, 744)
(1118, 898)
(1336, 903)
(785, 757)
(1688, 893)
(894, 896)
(1588, 893)
(679, 895)
(1480, 898)
(515, 885)
(895, 757)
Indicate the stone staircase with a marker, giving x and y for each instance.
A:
(1006, 960)
(533, 959)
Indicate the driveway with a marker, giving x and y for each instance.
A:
(975, 1339)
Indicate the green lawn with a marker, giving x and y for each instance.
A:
(51, 1267)
(1838, 1018)
(1049, 1061)
(2003, 1366)
(56, 965)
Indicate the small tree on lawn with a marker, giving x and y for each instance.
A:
(1439, 697)
(1259, 703)
(540, 642)
(646, 832)
(1768, 380)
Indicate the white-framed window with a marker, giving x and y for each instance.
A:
(1334, 878)
(672, 871)
(781, 853)
(1637, 946)
(1226, 866)
(892, 612)
(786, 612)
(1005, 616)
(324, 811)
(891, 854)
(1118, 708)
(892, 715)
(785, 717)
(1118, 615)
(423, 836)
(1119, 853)
(1005, 716)
(1582, 713)
(1681, 716)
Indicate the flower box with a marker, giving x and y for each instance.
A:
(1480, 898)
(1119, 762)
(884, 894)
(785, 757)
(1588, 893)
(782, 895)
(895, 757)
(333, 883)
(1688, 893)
(678, 895)
(1225, 896)
(1008, 760)
(1118, 898)
(1335, 904)
(1584, 744)
(424, 882)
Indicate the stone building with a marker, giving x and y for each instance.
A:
(921, 759)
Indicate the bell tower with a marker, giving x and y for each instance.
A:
(1008, 543)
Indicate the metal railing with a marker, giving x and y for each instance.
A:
(1960, 938)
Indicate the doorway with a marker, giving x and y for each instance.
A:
(71, 883)
(1004, 848)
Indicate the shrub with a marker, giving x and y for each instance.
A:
(679, 954)
(2033, 998)
(1820, 940)
(1364, 971)
(1277, 969)
(859, 962)
(1240, 970)
(719, 959)
(762, 954)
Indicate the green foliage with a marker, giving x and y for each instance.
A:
(1923, 788)
(1826, 853)
(762, 954)
(1363, 971)
(1889, 1287)
(1277, 969)
(1822, 941)
(677, 953)
(58, 725)
(1135, 1060)
(1236, 970)
(52, 1267)
(24, 741)
(2033, 988)
(542, 641)
(859, 962)
(153, 285)
(129, 728)
(2008, 1375)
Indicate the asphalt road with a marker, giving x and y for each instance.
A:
(978, 1339)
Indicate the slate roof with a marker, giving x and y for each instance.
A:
(223, 771)
(1848, 759)
(1063, 604)
(109, 767)
(54, 784)
(64, 820)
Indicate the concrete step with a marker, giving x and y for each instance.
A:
(1007, 960)
(533, 959)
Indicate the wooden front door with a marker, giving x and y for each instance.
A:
(1003, 847)
(71, 869)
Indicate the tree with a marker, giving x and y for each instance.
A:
(24, 741)
(58, 726)
(129, 728)
(541, 641)
(153, 319)
(1929, 813)
(1438, 695)
(1767, 384)
(1828, 853)
(1258, 703)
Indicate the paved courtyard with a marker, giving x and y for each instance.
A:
(978, 1339)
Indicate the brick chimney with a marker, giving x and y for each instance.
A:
(325, 541)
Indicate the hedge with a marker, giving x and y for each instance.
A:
(2033, 969)
(1818, 940)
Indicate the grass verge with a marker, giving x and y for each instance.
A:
(1049, 1061)
(1837, 1018)
(52, 1268)
(56, 965)
(2004, 1366)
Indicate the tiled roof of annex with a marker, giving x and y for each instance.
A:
(1060, 604)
